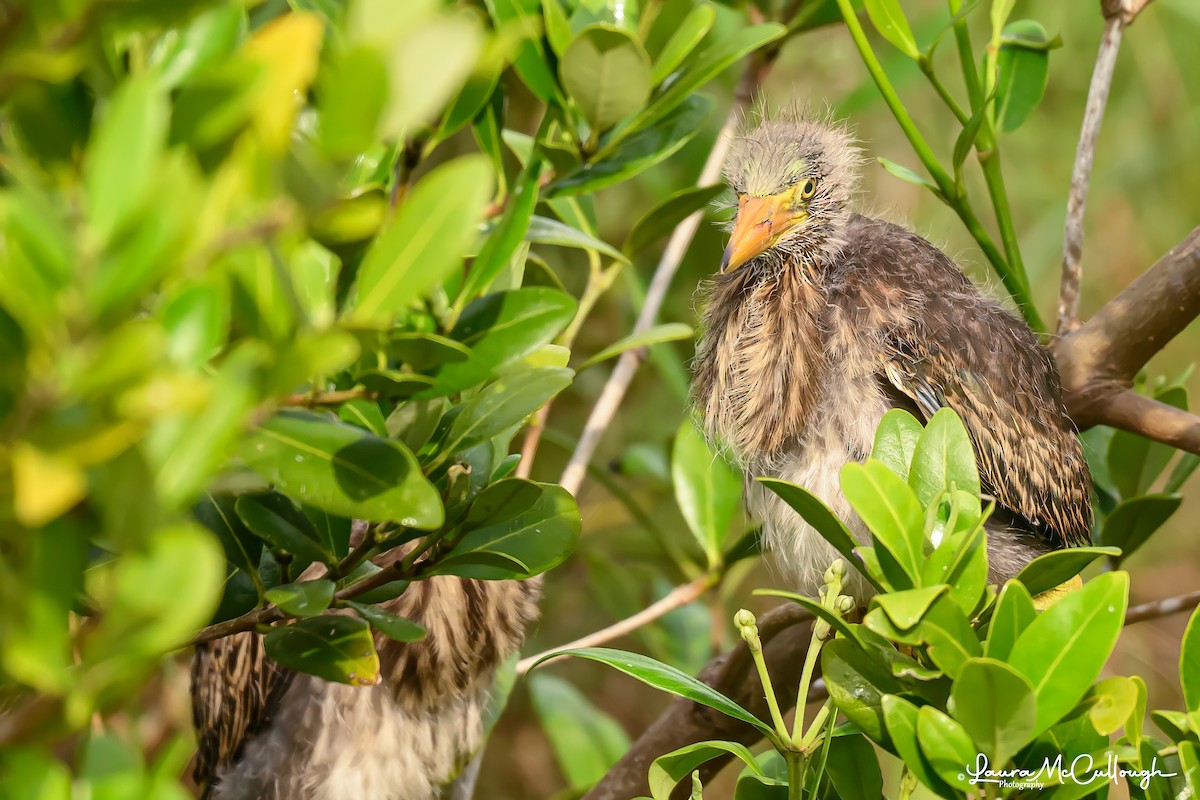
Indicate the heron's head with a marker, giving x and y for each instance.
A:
(794, 179)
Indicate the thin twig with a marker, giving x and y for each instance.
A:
(1162, 608)
(1093, 115)
(676, 598)
(313, 399)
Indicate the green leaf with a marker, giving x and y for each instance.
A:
(196, 321)
(907, 175)
(901, 719)
(123, 158)
(946, 746)
(896, 440)
(203, 43)
(425, 241)
(1058, 566)
(545, 230)
(996, 706)
(306, 599)
(504, 239)
(944, 628)
(1022, 73)
(890, 510)
(531, 60)
(943, 456)
(683, 41)
(814, 512)
(854, 768)
(966, 140)
(607, 73)
(667, 679)
(344, 470)
(1112, 701)
(278, 522)
(1189, 663)
(638, 152)
(353, 96)
(1064, 649)
(905, 609)
(504, 403)
(558, 29)
(667, 332)
(1014, 611)
(857, 683)
(365, 414)
(515, 529)
(585, 740)
(812, 606)
(668, 770)
(333, 647)
(1134, 462)
(707, 489)
(1132, 522)
(499, 329)
(393, 626)
(426, 351)
(667, 215)
(888, 18)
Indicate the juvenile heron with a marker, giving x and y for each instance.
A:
(822, 319)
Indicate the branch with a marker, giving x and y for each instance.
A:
(677, 597)
(313, 399)
(1162, 608)
(622, 375)
(785, 632)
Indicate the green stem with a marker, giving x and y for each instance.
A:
(927, 67)
(810, 663)
(795, 774)
(818, 723)
(760, 665)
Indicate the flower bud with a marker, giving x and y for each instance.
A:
(835, 572)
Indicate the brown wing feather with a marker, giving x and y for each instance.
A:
(235, 688)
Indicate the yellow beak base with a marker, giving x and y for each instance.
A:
(761, 222)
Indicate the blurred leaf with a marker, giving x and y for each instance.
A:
(1058, 566)
(124, 154)
(683, 41)
(667, 679)
(501, 328)
(1189, 663)
(1134, 462)
(1014, 611)
(531, 61)
(425, 241)
(287, 48)
(996, 706)
(667, 332)
(667, 215)
(306, 599)
(544, 230)
(668, 770)
(638, 152)
(504, 403)
(507, 235)
(353, 94)
(966, 140)
(1064, 649)
(707, 489)
(342, 469)
(890, 509)
(393, 626)
(452, 42)
(333, 647)
(888, 18)
(28, 773)
(854, 768)
(471, 99)
(1183, 470)
(1133, 521)
(196, 321)
(203, 43)
(586, 741)
(558, 29)
(1022, 73)
(896, 440)
(45, 485)
(536, 524)
(607, 73)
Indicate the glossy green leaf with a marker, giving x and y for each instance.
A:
(668, 679)
(504, 403)
(667, 215)
(536, 524)
(1133, 521)
(607, 73)
(343, 469)
(813, 607)
(544, 230)
(278, 522)
(943, 457)
(365, 414)
(1014, 611)
(501, 328)
(1189, 663)
(393, 626)
(888, 18)
(1110, 703)
(586, 741)
(306, 599)
(996, 706)
(638, 152)
(658, 334)
(1022, 74)
(947, 747)
(905, 609)
(1064, 649)
(683, 41)
(425, 241)
(944, 628)
(1058, 566)
(857, 682)
(707, 489)
(853, 767)
(668, 770)
(333, 647)
(531, 60)
(392, 384)
(472, 98)
(426, 351)
(900, 717)
(1134, 462)
(896, 440)
(815, 513)
(890, 510)
(908, 176)
(504, 239)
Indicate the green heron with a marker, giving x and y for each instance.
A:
(821, 320)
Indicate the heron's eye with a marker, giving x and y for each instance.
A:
(808, 189)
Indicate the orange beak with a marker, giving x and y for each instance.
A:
(761, 223)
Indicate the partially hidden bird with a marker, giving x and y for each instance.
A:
(821, 319)
(266, 733)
